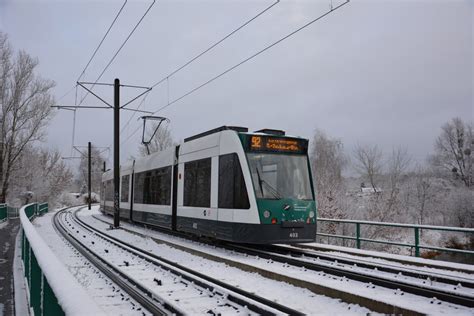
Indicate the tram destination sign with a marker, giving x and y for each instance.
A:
(278, 144)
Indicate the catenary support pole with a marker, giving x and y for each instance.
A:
(89, 173)
(116, 152)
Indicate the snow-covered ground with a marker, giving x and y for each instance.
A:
(100, 288)
(445, 267)
(186, 293)
(401, 274)
(301, 299)
(285, 294)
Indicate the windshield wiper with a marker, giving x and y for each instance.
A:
(272, 190)
(259, 180)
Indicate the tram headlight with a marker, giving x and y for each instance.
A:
(311, 214)
(267, 214)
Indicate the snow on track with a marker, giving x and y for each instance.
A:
(294, 297)
(185, 293)
(429, 281)
(408, 301)
(428, 265)
(100, 288)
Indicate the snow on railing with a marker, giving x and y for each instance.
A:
(52, 289)
(416, 229)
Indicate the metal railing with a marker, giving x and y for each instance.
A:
(12, 212)
(48, 282)
(7, 212)
(41, 297)
(416, 234)
(3, 213)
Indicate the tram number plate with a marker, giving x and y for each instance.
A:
(294, 235)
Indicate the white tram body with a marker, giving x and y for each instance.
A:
(205, 187)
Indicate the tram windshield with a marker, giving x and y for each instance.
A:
(278, 176)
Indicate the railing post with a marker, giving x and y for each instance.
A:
(358, 235)
(26, 263)
(417, 242)
(35, 284)
(23, 246)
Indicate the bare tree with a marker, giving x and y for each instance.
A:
(97, 163)
(398, 164)
(160, 141)
(368, 163)
(328, 162)
(453, 150)
(385, 203)
(25, 108)
(423, 193)
(464, 208)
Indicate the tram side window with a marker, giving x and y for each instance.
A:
(125, 188)
(109, 190)
(232, 189)
(153, 187)
(197, 183)
(138, 187)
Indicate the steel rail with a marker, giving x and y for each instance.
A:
(320, 289)
(228, 287)
(408, 288)
(135, 290)
(451, 280)
(408, 260)
(375, 280)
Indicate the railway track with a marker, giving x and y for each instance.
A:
(104, 291)
(457, 283)
(161, 286)
(397, 260)
(388, 277)
(437, 287)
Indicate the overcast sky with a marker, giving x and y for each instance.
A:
(373, 72)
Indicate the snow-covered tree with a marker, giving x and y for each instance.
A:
(423, 194)
(327, 163)
(453, 151)
(397, 167)
(97, 165)
(25, 108)
(41, 172)
(160, 141)
(368, 163)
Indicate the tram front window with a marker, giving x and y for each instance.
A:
(278, 176)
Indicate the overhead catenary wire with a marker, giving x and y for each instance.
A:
(102, 41)
(241, 63)
(251, 57)
(167, 77)
(67, 93)
(120, 48)
(133, 115)
(93, 54)
(216, 44)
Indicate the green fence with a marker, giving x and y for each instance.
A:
(358, 238)
(42, 208)
(48, 282)
(3, 213)
(41, 298)
(12, 212)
